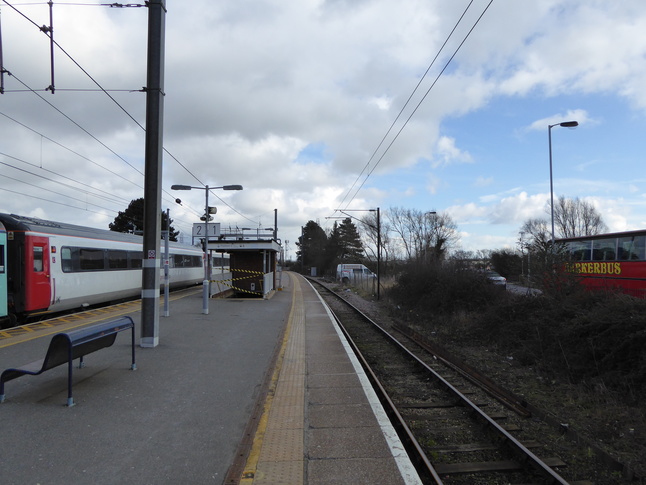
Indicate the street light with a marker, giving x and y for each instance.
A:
(565, 124)
(207, 276)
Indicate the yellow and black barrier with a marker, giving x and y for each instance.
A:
(253, 273)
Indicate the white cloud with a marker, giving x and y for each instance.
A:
(248, 85)
(483, 181)
(448, 153)
(578, 115)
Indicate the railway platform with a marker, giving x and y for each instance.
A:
(256, 392)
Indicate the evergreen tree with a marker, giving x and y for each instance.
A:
(312, 244)
(132, 220)
(333, 248)
(351, 247)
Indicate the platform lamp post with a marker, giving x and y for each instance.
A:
(207, 276)
(565, 124)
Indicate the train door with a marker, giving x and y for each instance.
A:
(4, 310)
(37, 276)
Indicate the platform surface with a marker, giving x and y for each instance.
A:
(180, 417)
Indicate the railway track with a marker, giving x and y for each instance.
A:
(457, 426)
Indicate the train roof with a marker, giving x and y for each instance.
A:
(13, 222)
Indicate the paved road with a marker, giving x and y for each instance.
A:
(522, 290)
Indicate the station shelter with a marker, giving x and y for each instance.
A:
(254, 264)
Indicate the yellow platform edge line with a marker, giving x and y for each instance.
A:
(7, 334)
(251, 466)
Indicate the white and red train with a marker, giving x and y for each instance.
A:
(53, 266)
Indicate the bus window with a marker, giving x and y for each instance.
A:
(604, 249)
(631, 248)
(580, 250)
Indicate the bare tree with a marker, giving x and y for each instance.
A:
(398, 219)
(572, 218)
(576, 217)
(424, 235)
(537, 234)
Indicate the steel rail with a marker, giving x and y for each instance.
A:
(513, 444)
(411, 444)
(507, 398)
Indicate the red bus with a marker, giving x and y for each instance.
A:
(609, 261)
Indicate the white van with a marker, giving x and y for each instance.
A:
(347, 273)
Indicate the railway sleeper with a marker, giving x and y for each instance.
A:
(490, 466)
(472, 447)
(439, 404)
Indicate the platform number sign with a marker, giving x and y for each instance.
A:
(211, 229)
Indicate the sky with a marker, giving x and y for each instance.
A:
(319, 105)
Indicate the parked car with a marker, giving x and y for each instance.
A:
(496, 279)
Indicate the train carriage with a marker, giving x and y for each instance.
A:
(52, 266)
(614, 261)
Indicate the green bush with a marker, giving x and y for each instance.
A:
(442, 288)
(593, 338)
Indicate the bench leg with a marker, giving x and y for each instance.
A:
(133, 366)
(70, 399)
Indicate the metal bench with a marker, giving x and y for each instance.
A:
(67, 346)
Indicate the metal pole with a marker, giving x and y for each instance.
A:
(549, 137)
(166, 265)
(378, 253)
(205, 289)
(51, 43)
(153, 175)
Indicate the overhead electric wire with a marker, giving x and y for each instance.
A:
(81, 128)
(40, 187)
(121, 107)
(417, 106)
(53, 201)
(407, 101)
(108, 199)
(92, 136)
(48, 34)
(83, 184)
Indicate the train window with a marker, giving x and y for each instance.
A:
(135, 259)
(177, 260)
(117, 259)
(631, 248)
(66, 259)
(1, 258)
(91, 259)
(604, 249)
(38, 258)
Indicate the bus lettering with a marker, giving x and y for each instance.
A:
(595, 268)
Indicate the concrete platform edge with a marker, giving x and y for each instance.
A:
(406, 468)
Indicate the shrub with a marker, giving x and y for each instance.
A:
(442, 289)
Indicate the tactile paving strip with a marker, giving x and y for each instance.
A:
(281, 458)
